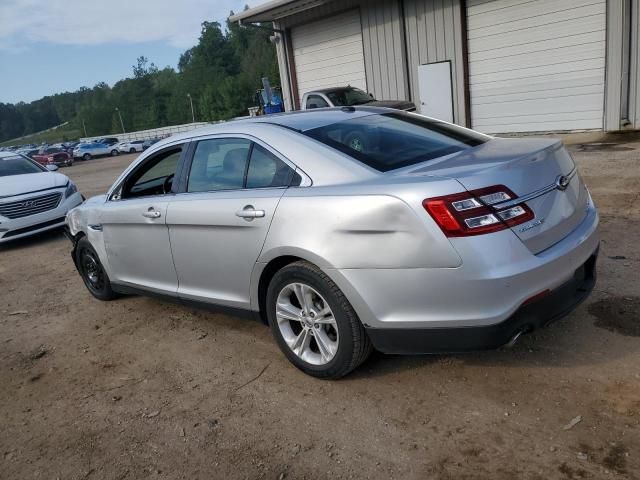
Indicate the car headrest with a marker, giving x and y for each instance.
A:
(234, 160)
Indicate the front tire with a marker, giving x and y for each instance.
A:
(92, 272)
(86, 157)
(115, 153)
(314, 324)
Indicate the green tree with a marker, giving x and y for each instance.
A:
(221, 73)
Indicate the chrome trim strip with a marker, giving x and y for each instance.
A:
(532, 195)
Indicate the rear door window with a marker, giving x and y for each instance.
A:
(218, 164)
(266, 170)
(395, 140)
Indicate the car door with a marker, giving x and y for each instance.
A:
(135, 228)
(218, 226)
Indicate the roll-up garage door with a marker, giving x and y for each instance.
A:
(328, 53)
(536, 65)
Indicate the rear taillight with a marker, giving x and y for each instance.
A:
(471, 213)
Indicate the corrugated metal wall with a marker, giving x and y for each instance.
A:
(634, 70)
(384, 48)
(434, 34)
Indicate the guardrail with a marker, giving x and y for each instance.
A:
(160, 132)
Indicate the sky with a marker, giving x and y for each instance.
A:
(53, 46)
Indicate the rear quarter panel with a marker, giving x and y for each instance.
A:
(338, 229)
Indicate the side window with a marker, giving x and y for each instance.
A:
(155, 177)
(267, 170)
(316, 101)
(218, 164)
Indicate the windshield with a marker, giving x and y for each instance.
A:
(18, 165)
(395, 140)
(349, 97)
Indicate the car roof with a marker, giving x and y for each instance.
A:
(303, 120)
(9, 154)
(331, 89)
(299, 121)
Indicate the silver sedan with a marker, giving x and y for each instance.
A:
(349, 229)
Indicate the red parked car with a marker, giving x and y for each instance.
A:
(53, 156)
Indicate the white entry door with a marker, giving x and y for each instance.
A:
(434, 84)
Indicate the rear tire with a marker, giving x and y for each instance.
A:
(344, 345)
(86, 156)
(132, 150)
(92, 272)
(115, 153)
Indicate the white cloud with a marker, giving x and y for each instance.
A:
(95, 22)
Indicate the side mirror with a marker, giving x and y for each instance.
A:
(52, 168)
(371, 95)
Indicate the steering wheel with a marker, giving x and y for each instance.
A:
(168, 182)
(356, 141)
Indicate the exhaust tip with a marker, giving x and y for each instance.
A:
(514, 339)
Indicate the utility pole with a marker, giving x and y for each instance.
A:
(121, 122)
(193, 115)
(84, 127)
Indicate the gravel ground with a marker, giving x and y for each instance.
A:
(139, 388)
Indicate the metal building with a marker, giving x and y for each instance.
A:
(495, 65)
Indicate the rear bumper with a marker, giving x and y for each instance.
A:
(555, 305)
(498, 274)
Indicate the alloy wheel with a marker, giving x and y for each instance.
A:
(307, 323)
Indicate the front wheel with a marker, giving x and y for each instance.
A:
(86, 157)
(92, 272)
(115, 153)
(132, 150)
(314, 323)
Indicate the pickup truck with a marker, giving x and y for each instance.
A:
(53, 156)
(348, 97)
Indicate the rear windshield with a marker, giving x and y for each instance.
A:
(395, 140)
(18, 165)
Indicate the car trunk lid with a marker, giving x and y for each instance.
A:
(539, 171)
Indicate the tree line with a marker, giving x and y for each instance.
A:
(220, 74)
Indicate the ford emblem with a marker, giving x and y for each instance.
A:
(562, 182)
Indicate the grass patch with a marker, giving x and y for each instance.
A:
(61, 134)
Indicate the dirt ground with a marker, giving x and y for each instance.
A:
(138, 388)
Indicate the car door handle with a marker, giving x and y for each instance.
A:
(151, 213)
(250, 213)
